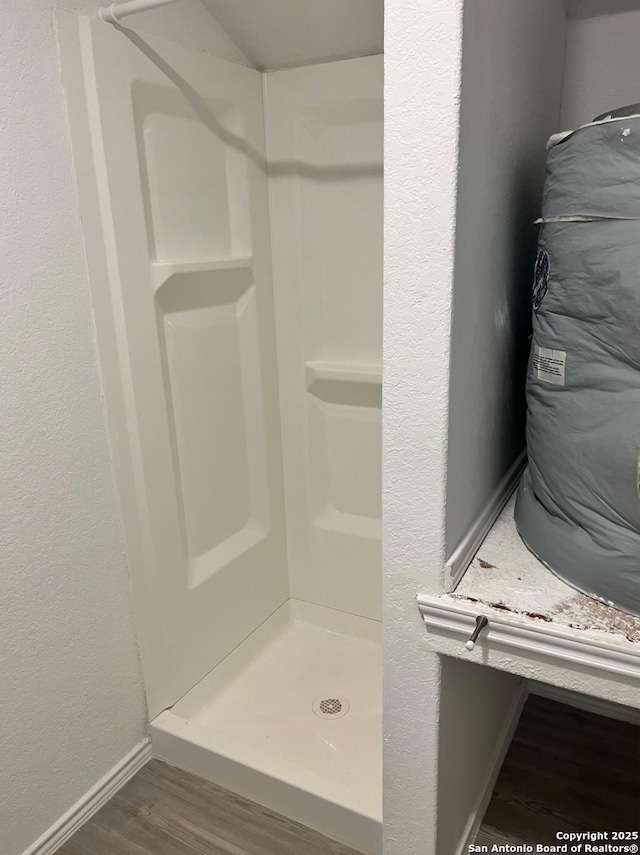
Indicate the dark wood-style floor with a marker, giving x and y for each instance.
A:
(164, 811)
(566, 770)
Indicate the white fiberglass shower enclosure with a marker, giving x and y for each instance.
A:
(233, 228)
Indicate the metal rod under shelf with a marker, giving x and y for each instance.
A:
(114, 13)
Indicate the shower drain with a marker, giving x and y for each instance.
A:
(330, 706)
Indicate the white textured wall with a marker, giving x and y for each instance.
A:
(422, 86)
(510, 106)
(478, 711)
(71, 698)
(602, 69)
(513, 86)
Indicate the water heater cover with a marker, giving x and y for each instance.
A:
(578, 505)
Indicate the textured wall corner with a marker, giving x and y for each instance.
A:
(422, 85)
(422, 90)
(501, 175)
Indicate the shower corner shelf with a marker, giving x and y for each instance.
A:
(161, 271)
(319, 371)
(532, 613)
(355, 385)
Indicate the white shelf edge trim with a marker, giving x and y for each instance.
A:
(92, 800)
(444, 618)
(465, 552)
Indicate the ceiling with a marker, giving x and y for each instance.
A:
(284, 33)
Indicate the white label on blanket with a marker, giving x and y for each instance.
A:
(548, 365)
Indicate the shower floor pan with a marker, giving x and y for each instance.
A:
(292, 719)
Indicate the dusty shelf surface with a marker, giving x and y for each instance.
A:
(507, 579)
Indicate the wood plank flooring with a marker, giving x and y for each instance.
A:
(566, 770)
(488, 836)
(164, 811)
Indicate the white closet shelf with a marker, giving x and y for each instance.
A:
(444, 616)
(161, 271)
(531, 610)
(328, 371)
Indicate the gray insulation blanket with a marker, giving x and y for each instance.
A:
(578, 505)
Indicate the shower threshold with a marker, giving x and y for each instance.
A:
(292, 719)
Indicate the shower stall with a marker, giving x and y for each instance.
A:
(233, 230)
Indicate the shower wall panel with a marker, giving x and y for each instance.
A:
(324, 143)
(177, 148)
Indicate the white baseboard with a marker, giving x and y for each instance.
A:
(465, 551)
(92, 801)
(497, 759)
